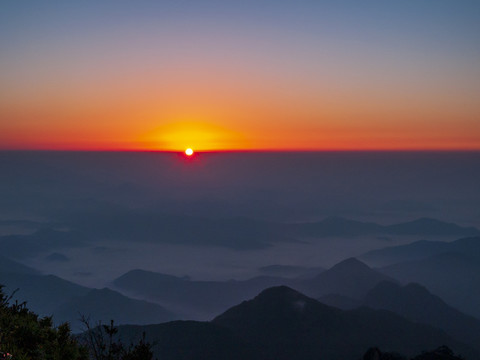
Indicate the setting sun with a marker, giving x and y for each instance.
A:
(189, 152)
(202, 136)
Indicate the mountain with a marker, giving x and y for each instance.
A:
(105, 305)
(421, 249)
(286, 324)
(336, 226)
(49, 295)
(340, 227)
(428, 226)
(281, 323)
(350, 278)
(44, 293)
(10, 266)
(452, 276)
(202, 300)
(240, 233)
(416, 303)
(195, 299)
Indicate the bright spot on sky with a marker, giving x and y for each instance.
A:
(189, 152)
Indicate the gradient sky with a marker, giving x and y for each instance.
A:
(220, 75)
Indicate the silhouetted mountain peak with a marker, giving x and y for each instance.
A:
(282, 299)
(279, 303)
(350, 265)
(10, 266)
(416, 303)
(280, 318)
(104, 291)
(279, 292)
(350, 277)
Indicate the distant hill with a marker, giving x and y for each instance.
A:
(195, 299)
(421, 249)
(240, 233)
(454, 277)
(10, 266)
(44, 293)
(416, 303)
(281, 323)
(336, 226)
(202, 300)
(50, 295)
(350, 278)
(428, 226)
(105, 305)
(340, 227)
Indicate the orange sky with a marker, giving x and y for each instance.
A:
(211, 82)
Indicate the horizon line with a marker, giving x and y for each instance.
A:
(226, 151)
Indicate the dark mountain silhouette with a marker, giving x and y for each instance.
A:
(281, 323)
(350, 278)
(44, 293)
(241, 233)
(428, 226)
(198, 299)
(336, 226)
(281, 316)
(421, 249)
(416, 303)
(413, 251)
(204, 299)
(10, 266)
(105, 305)
(340, 227)
(452, 276)
(50, 295)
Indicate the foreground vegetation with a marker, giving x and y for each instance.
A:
(26, 336)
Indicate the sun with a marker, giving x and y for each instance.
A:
(189, 152)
